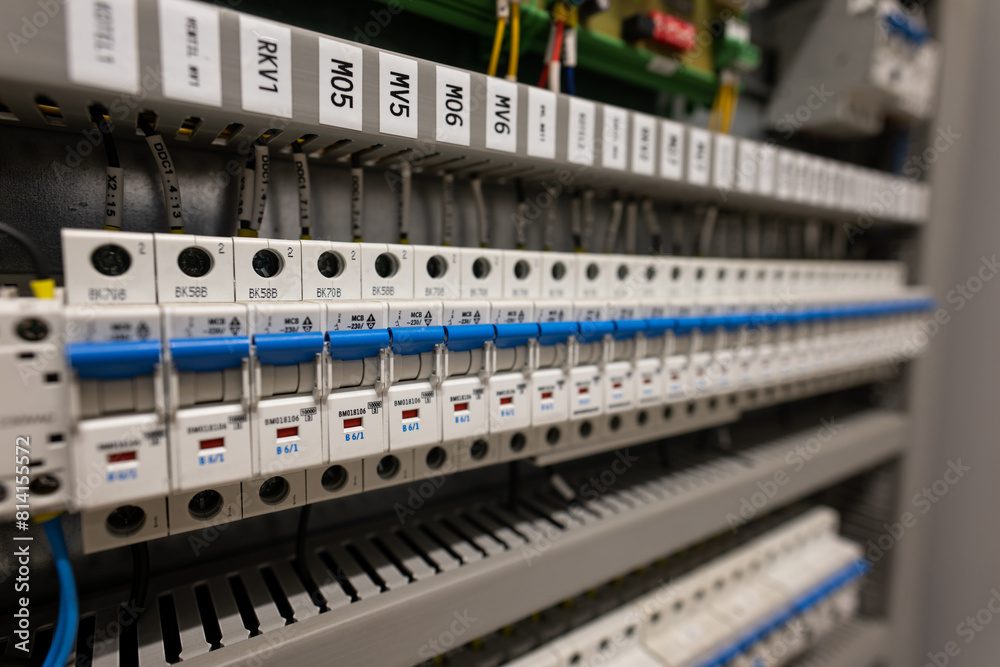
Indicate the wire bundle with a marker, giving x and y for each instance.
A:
(507, 9)
(562, 46)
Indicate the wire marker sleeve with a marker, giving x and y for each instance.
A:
(305, 191)
(171, 188)
(113, 198)
(261, 176)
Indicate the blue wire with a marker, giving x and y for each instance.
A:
(69, 606)
(571, 80)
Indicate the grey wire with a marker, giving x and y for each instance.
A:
(708, 230)
(447, 208)
(617, 209)
(481, 215)
(631, 226)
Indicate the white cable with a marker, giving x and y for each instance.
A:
(447, 209)
(555, 74)
(569, 47)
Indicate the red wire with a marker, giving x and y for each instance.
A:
(556, 53)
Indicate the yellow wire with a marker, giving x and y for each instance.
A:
(515, 41)
(497, 43)
(734, 99)
(723, 108)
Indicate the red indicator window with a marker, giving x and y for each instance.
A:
(506, 400)
(353, 422)
(583, 390)
(288, 432)
(214, 443)
(122, 456)
(410, 414)
(459, 407)
(617, 385)
(546, 395)
(647, 380)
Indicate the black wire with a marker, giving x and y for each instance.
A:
(300, 536)
(136, 604)
(301, 561)
(41, 272)
(146, 127)
(108, 139)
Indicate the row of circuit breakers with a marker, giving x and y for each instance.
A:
(764, 603)
(183, 363)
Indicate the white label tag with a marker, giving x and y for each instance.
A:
(341, 78)
(723, 161)
(615, 150)
(266, 67)
(541, 123)
(698, 160)
(786, 174)
(501, 115)
(103, 48)
(398, 95)
(765, 169)
(580, 134)
(671, 150)
(747, 155)
(643, 144)
(452, 93)
(189, 52)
